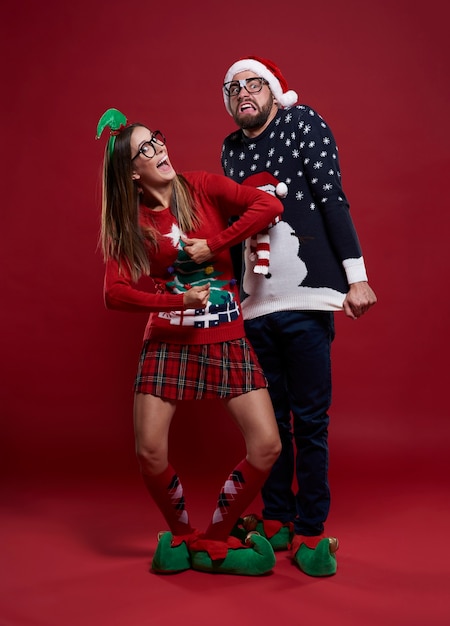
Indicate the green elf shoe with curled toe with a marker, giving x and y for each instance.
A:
(171, 554)
(254, 558)
(316, 556)
(279, 534)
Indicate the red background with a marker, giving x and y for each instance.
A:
(378, 73)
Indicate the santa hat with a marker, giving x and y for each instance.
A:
(267, 70)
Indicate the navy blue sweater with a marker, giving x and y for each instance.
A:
(314, 249)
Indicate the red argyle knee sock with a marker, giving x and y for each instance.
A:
(239, 490)
(167, 492)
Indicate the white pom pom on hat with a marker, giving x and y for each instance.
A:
(267, 70)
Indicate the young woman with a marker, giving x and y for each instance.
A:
(174, 229)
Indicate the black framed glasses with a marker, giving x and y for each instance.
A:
(148, 148)
(251, 85)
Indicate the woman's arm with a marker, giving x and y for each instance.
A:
(256, 209)
(122, 294)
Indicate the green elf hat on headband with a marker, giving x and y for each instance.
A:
(116, 122)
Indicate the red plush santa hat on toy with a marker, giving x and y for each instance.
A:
(267, 70)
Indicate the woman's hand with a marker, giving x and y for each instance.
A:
(196, 297)
(196, 249)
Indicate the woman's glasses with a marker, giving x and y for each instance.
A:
(148, 148)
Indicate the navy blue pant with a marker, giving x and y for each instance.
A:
(294, 349)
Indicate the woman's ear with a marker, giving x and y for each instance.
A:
(135, 176)
(136, 184)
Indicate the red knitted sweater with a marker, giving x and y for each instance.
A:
(172, 272)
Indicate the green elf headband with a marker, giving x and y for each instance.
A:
(116, 122)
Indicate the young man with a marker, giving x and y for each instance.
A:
(296, 274)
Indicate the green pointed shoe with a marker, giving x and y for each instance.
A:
(255, 558)
(278, 534)
(318, 558)
(168, 558)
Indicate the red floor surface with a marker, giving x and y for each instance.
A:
(80, 555)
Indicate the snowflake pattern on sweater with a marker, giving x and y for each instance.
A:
(315, 252)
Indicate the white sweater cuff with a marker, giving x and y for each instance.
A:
(355, 270)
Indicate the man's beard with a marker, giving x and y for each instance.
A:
(252, 122)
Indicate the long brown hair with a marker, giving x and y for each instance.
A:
(121, 236)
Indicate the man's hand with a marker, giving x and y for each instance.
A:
(359, 299)
(196, 249)
(196, 297)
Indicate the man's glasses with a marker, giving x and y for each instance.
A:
(148, 148)
(251, 85)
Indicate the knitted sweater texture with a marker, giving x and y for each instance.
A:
(314, 250)
(173, 272)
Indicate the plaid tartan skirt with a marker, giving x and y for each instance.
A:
(196, 372)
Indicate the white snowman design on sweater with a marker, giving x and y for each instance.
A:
(286, 271)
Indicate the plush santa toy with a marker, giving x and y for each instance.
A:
(260, 242)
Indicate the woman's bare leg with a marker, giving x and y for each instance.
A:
(152, 419)
(253, 414)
